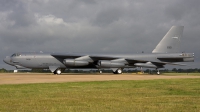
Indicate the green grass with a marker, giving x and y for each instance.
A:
(177, 95)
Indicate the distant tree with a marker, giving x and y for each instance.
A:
(174, 70)
(3, 70)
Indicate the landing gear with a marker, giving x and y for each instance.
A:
(118, 71)
(141, 70)
(58, 71)
(158, 72)
(100, 71)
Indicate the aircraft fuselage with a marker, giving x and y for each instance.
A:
(43, 61)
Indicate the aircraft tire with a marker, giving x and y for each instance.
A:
(58, 72)
(118, 71)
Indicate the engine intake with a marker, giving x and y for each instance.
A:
(72, 62)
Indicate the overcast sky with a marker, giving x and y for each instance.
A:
(96, 26)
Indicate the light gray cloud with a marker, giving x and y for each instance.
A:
(108, 16)
(95, 26)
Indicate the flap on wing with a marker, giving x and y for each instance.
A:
(154, 62)
(168, 63)
(180, 64)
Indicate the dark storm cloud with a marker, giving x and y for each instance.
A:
(108, 26)
(108, 16)
(19, 13)
(178, 10)
(7, 4)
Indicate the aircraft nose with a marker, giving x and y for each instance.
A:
(7, 60)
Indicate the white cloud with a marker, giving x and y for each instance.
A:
(49, 20)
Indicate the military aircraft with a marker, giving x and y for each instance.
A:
(166, 53)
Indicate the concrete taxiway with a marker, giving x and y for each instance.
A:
(23, 78)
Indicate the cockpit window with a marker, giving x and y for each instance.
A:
(13, 55)
(16, 54)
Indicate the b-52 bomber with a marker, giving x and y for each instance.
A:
(166, 53)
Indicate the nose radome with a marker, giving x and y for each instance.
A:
(7, 60)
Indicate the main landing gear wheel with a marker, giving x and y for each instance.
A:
(100, 72)
(158, 72)
(58, 71)
(118, 71)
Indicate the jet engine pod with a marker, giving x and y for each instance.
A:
(110, 64)
(147, 65)
(73, 62)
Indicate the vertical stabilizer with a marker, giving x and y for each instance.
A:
(171, 41)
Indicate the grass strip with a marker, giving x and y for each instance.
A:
(177, 95)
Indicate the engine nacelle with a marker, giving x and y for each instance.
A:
(147, 65)
(72, 62)
(110, 64)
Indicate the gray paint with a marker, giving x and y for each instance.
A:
(170, 42)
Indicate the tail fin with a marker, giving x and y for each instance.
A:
(171, 41)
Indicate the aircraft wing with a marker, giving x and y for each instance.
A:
(95, 58)
(75, 56)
